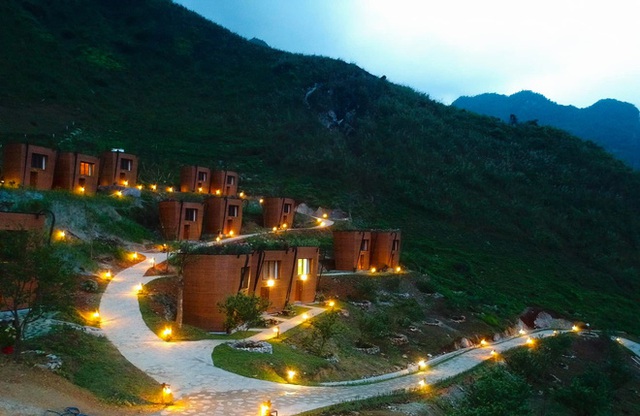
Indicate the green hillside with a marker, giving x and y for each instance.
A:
(501, 217)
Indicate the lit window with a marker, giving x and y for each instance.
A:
(304, 267)
(287, 208)
(38, 161)
(86, 169)
(271, 270)
(233, 210)
(190, 214)
(126, 164)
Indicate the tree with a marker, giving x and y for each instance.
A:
(325, 326)
(242, 309)
(34, 278)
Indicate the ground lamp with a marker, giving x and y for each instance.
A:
(575, 328)
(166, 393)
(61, 235)
(398, 269)
(134, 256)
(265, 409)
(332, 304)
(139, 288)
(422, 364)
(96, 317)
(82, 189)
(166, 333)
(530, 342)
(521, 332)
(107, 275)
(483, 343)
(291, 374)
(271, 283)
(276, 331)
(324, 215)
(154, 187)
(373, 270)
(422, 384)
(139, 187)
(494, 354)
(275, 229)
(305, 316)
(304, 277)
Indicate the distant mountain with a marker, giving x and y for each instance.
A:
(615, 125)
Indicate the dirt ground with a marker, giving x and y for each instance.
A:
(26, 391)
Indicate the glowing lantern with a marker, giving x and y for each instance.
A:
(398, 269)
(125, 183)
(139, 287)
(521, 332)
(96, 316)
(154, 187)
(373, 270)
(218, 192)
(261, 201)
(284, 226)
(276, 330)
(118, 193)
(332, 303)
(107, 274)
(82, 189)
(231, 233)
(241, 194)
(530, 342)
(134, 256)
(265, 408)
(483, 343)
(218, 239)
(170, 189)
(303, 277)
(422, 364)
(271, 283)
(575, 328)
(166, 333)
(275, 229)
(324, 215)
(200, 189)
(62, 234)
(305, 316)
(139, 187)
(291, 375)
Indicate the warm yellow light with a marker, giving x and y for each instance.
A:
(62, 234)
(332, 303)
(575, 328)
(530, 342)
(139, 287)
(398, 269)
(555, 332)
(231, 233)
(82, 189)
(494, 353)
(96, 315)
(166, 389)
(319, 219)
(200, 189)
(118, 193)
(422, 384)
(422, 364)
(261, 201)
(166, 333)
(373, 270)
(218, 192)
(170, 189)
(107, 274)
(291, 375)
(324, 215)
(618, 339)
(218, 239)
(305, 316)
(522, 332)
(304, 277)
(322, 224)
(275, 229)
(134, 256)
(265, 408)
(483, 343)
(154, 187)
(139, 187)
(241, 194)
(271, 283)
(125, 183)
(284, 226)
(276, 331)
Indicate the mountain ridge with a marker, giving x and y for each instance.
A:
(613, 124)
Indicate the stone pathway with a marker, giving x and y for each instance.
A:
(205, 389)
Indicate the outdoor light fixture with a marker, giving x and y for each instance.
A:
(200, 189)
(291, 374)
(125, 183)
(62, 234)
(275, 229)
(373, 270)
(154, 187)
(522, 332)
(261, 201)
(96, 316)
(284, 226)
(324, 215)
(139, 187)
(118, 193)
(271, 283)
(483, 343)
(241, 194)
(166, 393)
(575, 328)
(134, 256)
(555, 333)
(107, 274)
(304, 277)
(422, 364)
(218, 192)
(276, 330)
(218, 239)
(494, 354)
(398, 269)
(139, 288)
(170, 189)
(332, 303)
(305, 316)
(530, 342)
(322, 223)
(166, 333)
(265, 408)
(422, 384)
(619, 340)
(231, 233)
(82, 189)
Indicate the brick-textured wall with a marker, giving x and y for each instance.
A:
(216, 216)
(111, 172)
(189, 179)
(346, 250)
(68, 175)
(273, 212)
(220, 183)
(382, 254)
(18, 170)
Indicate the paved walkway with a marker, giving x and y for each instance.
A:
(205, 389)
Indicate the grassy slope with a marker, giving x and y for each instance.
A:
(499, 216)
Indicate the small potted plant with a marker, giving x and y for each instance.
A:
(7, 338)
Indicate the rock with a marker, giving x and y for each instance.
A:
(465, 343)
(398, 339)
(262, 347)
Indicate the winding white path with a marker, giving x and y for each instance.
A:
(205, 389)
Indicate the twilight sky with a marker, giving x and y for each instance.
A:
(573, 52)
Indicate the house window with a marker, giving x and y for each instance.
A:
(126, 164)
(245, 277)
(233, 210)
(287, 208)
(38, 161)
(86, 169)
(304, 267)
(231, 180)
(190, 214)
(271, 270)
(395, 245)
(364, 246)
(202, 176)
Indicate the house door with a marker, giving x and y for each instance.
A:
(297, 296)
(264, 292)
(33, 179)
(186, 232)
(361, 264)
(229, 226)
